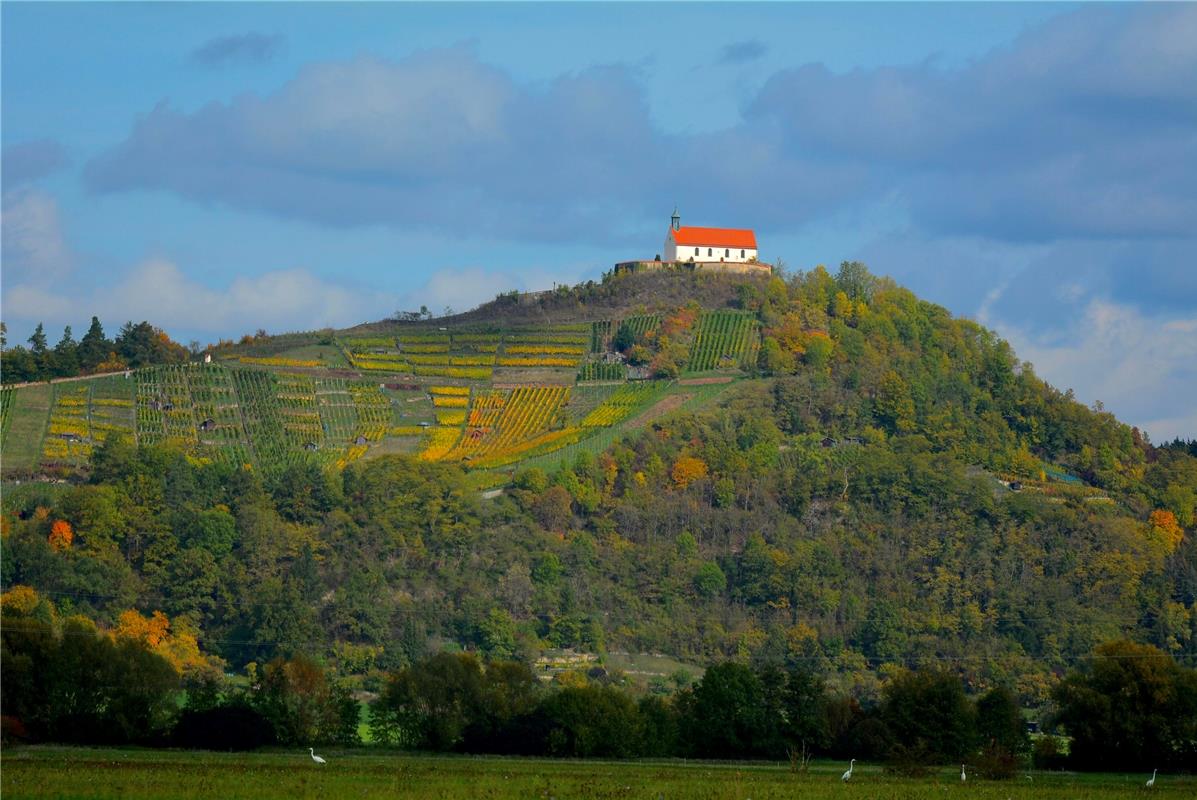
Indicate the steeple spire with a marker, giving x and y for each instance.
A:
(676, 218)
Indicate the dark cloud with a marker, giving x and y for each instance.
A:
(245, 48)
(742, 52)
(443, 141)
(28, 161)
(1082, 129)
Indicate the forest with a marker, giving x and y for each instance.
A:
(891, 493)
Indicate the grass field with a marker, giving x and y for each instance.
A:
(54, 772)
(26, 426)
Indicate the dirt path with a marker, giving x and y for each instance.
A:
(706, 381)
(658, 409)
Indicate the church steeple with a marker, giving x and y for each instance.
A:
(676, 219)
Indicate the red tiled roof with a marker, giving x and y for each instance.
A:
(714, 237)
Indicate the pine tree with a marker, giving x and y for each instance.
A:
(39, 350)
(94, 347)
(66, 355)
(37, 342)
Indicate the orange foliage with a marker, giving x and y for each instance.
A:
(681, 320)
(1165, 522)
(61, 535)
(179, 647)
(150, 631)
(688, 469)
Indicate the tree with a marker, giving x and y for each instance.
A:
(37, 341)
(929, 716)
(590, 722)
(39, 350)
(94, 347)
(430, 704)
(725, 714)
(895, 408)
(68, 681)
(553, 508)
(855, 281)
(710, 581)
(1131, 707)
(66, 355)
(61, 535)
(774, 360)
(305, 704)
(141, 344)
(624, 338)
(1000, 723)
(687, 470)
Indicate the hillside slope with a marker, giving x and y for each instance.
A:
(868, 482)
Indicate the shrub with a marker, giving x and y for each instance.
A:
(231, 727)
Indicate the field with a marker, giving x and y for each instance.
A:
(53, 772)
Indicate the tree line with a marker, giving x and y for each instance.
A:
(136, 345)
(1128, 707)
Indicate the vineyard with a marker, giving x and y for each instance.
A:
(504, 424)
(6, 399)
(622, 403)
(642, 324)
(483, 397)
(600, 371)
(724, 340)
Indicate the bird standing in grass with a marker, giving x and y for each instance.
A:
(848, 773)
(963, 777)
(1151, 780)
(315, 757)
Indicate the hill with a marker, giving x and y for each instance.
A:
(823, 470)
(517, 378)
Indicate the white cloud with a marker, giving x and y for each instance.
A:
(1143, 368)
(159, 291)
(34, 247)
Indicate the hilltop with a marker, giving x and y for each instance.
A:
(822, 470)
(518, 377)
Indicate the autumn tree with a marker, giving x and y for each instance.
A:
(687, 470)
(61, 536)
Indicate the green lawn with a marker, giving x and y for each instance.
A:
(22, 446)
(54, 772)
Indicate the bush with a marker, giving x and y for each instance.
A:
(231, 727)
(1047, 753)
(996, 763)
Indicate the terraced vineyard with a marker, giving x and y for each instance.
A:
(486, 398)
(599, 371)
(6, 399)
(641, 324)
(724, 340)
(622, 403)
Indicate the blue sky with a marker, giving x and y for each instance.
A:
(220, 167)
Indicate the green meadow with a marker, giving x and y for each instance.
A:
(60, 772)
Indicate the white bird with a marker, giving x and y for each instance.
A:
(848, 773)
(1151, 780)
(963, 778)
(315, 757)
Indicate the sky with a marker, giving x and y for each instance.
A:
(217, 168)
